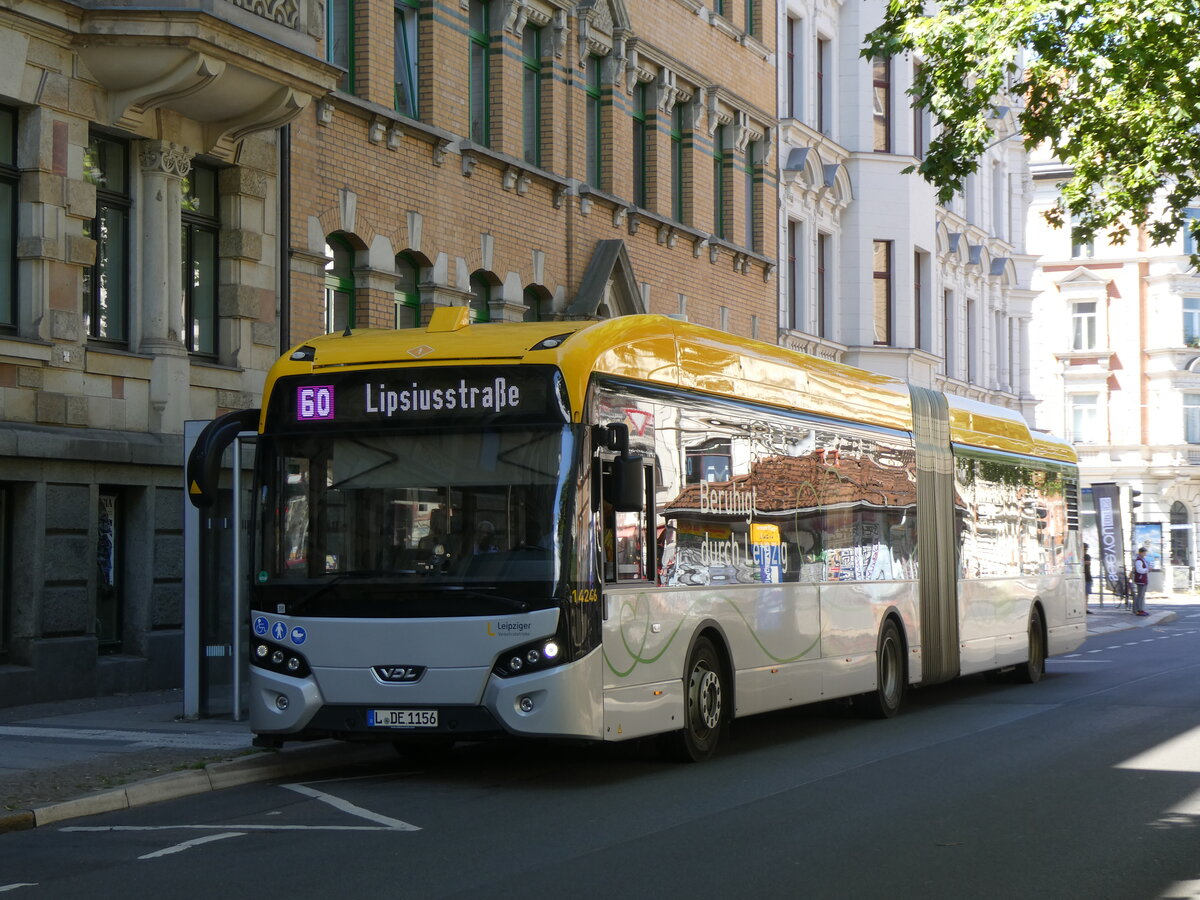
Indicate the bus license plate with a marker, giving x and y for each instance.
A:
(402, 718)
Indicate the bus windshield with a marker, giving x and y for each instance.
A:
(391, 523)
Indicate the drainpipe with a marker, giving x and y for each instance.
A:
(284, 231)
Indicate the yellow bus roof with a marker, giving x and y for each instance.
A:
(668, 352)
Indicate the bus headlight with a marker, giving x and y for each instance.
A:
(276, 658)
(535, 656)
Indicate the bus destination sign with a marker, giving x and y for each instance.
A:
(422, 396)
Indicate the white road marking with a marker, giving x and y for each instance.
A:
(347, 807)
(195, 842)
(20, 884)
(216, 827)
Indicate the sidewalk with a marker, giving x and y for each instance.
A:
(81, 757)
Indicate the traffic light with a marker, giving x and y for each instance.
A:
(1134, 502)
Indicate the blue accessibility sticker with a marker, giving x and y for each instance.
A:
(299, 635)
(279, 631)
(261, 625)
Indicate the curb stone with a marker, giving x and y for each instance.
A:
(262, 766)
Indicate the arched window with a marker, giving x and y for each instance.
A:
(537, 305)
(1181, 536)
(339, 284)
(408, 298)
(481, 295)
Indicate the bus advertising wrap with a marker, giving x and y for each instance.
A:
(421, 396)
(1107, 498)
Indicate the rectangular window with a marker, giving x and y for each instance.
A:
(640, 138)
(751, 208)
(793, 68)
(1189, 241)
(972, 342)
(824, 100)
(404, 48)
(795, 307)
(531, 61)
(9, 179)
(1083, 325)
(824, 243)
(105, 284)
(949, 324)
(5, 573)
(595, 122)
(720, 195)
(201, 226)
(920, 123)
(882, 292)
(479, 34)
(1081, 250)
(1085, 418)
(1191, 418)
(1191, 321)
(339, 40)
(919, 299)
(751, 24)
(110, 526)
(881, 105)
(677, 163)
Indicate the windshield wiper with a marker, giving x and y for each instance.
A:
(519, 605)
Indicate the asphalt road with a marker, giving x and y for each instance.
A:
(1086, 785)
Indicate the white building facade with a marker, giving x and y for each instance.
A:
(873, 270)
(1117, 371)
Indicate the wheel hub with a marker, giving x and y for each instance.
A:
(706, 687)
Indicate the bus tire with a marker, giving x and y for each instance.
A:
(705, 699)
(890, 676)
(1034, 667)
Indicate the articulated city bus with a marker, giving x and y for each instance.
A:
(626, 528)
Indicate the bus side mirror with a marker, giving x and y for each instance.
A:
(204, 462)
(627, 484)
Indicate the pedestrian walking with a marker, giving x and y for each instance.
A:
(1141, 578)
(1087, 575)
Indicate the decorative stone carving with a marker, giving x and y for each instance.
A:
(166, 159)
(284, 12)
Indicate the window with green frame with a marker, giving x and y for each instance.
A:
(481, 296)
(9, 181)
(677, 163)
(105, 284)
(404, 49)
(720, 194)
(594, 120)
(339, 284)
(751, 22)
(640, 138)
(531, 62)
(201, 226)
(749, 164)
(479, 33)
(408, 297)
(339, 40)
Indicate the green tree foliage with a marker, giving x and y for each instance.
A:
(1110, 87)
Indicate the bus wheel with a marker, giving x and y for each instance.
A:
(704, 698)
(1032, 670)
(884, 701)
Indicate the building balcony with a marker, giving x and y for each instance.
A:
(233, 66)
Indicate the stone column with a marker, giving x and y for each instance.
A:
(163, 168)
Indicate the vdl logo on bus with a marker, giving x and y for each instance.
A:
(314, 402)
